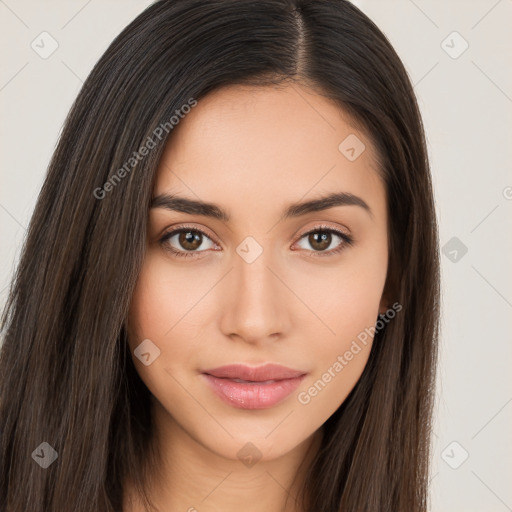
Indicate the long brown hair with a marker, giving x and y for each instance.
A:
(67, 376)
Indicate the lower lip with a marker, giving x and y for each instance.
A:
(252, 396)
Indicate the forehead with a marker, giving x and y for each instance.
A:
(242, 144)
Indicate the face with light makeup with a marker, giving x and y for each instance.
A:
(257, 279)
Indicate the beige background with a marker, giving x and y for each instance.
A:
(466, 99)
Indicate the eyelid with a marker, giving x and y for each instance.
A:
(181, 227)
(323, 227)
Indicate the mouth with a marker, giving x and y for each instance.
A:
(246, 387)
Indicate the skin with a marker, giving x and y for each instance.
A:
(253, 151)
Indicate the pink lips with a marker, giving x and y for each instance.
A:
(248, 387)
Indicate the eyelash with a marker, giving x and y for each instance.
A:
(347, 240)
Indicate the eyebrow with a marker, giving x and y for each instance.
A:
(193, 207)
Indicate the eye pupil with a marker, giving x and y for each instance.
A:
(320, 240)
(190, 239)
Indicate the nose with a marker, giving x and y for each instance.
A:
(255, 304)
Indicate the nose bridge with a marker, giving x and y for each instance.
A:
(255, 308)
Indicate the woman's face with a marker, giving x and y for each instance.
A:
(259, 286)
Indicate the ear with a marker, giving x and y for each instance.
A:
(384, 305)
(385, 301)
(388, 294)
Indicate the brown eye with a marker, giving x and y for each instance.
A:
(186, 241)
(190, 240)
(319, 240)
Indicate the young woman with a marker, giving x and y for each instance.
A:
(228, 298)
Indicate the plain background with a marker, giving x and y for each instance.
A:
(465, 95)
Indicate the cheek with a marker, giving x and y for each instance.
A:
(348, 305)
(157, 313)
(345, 297)
(162, 300)
(342, 352)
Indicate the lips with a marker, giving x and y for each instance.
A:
(268, 372)
(247, 387)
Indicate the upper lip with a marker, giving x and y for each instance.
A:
(256, 374)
